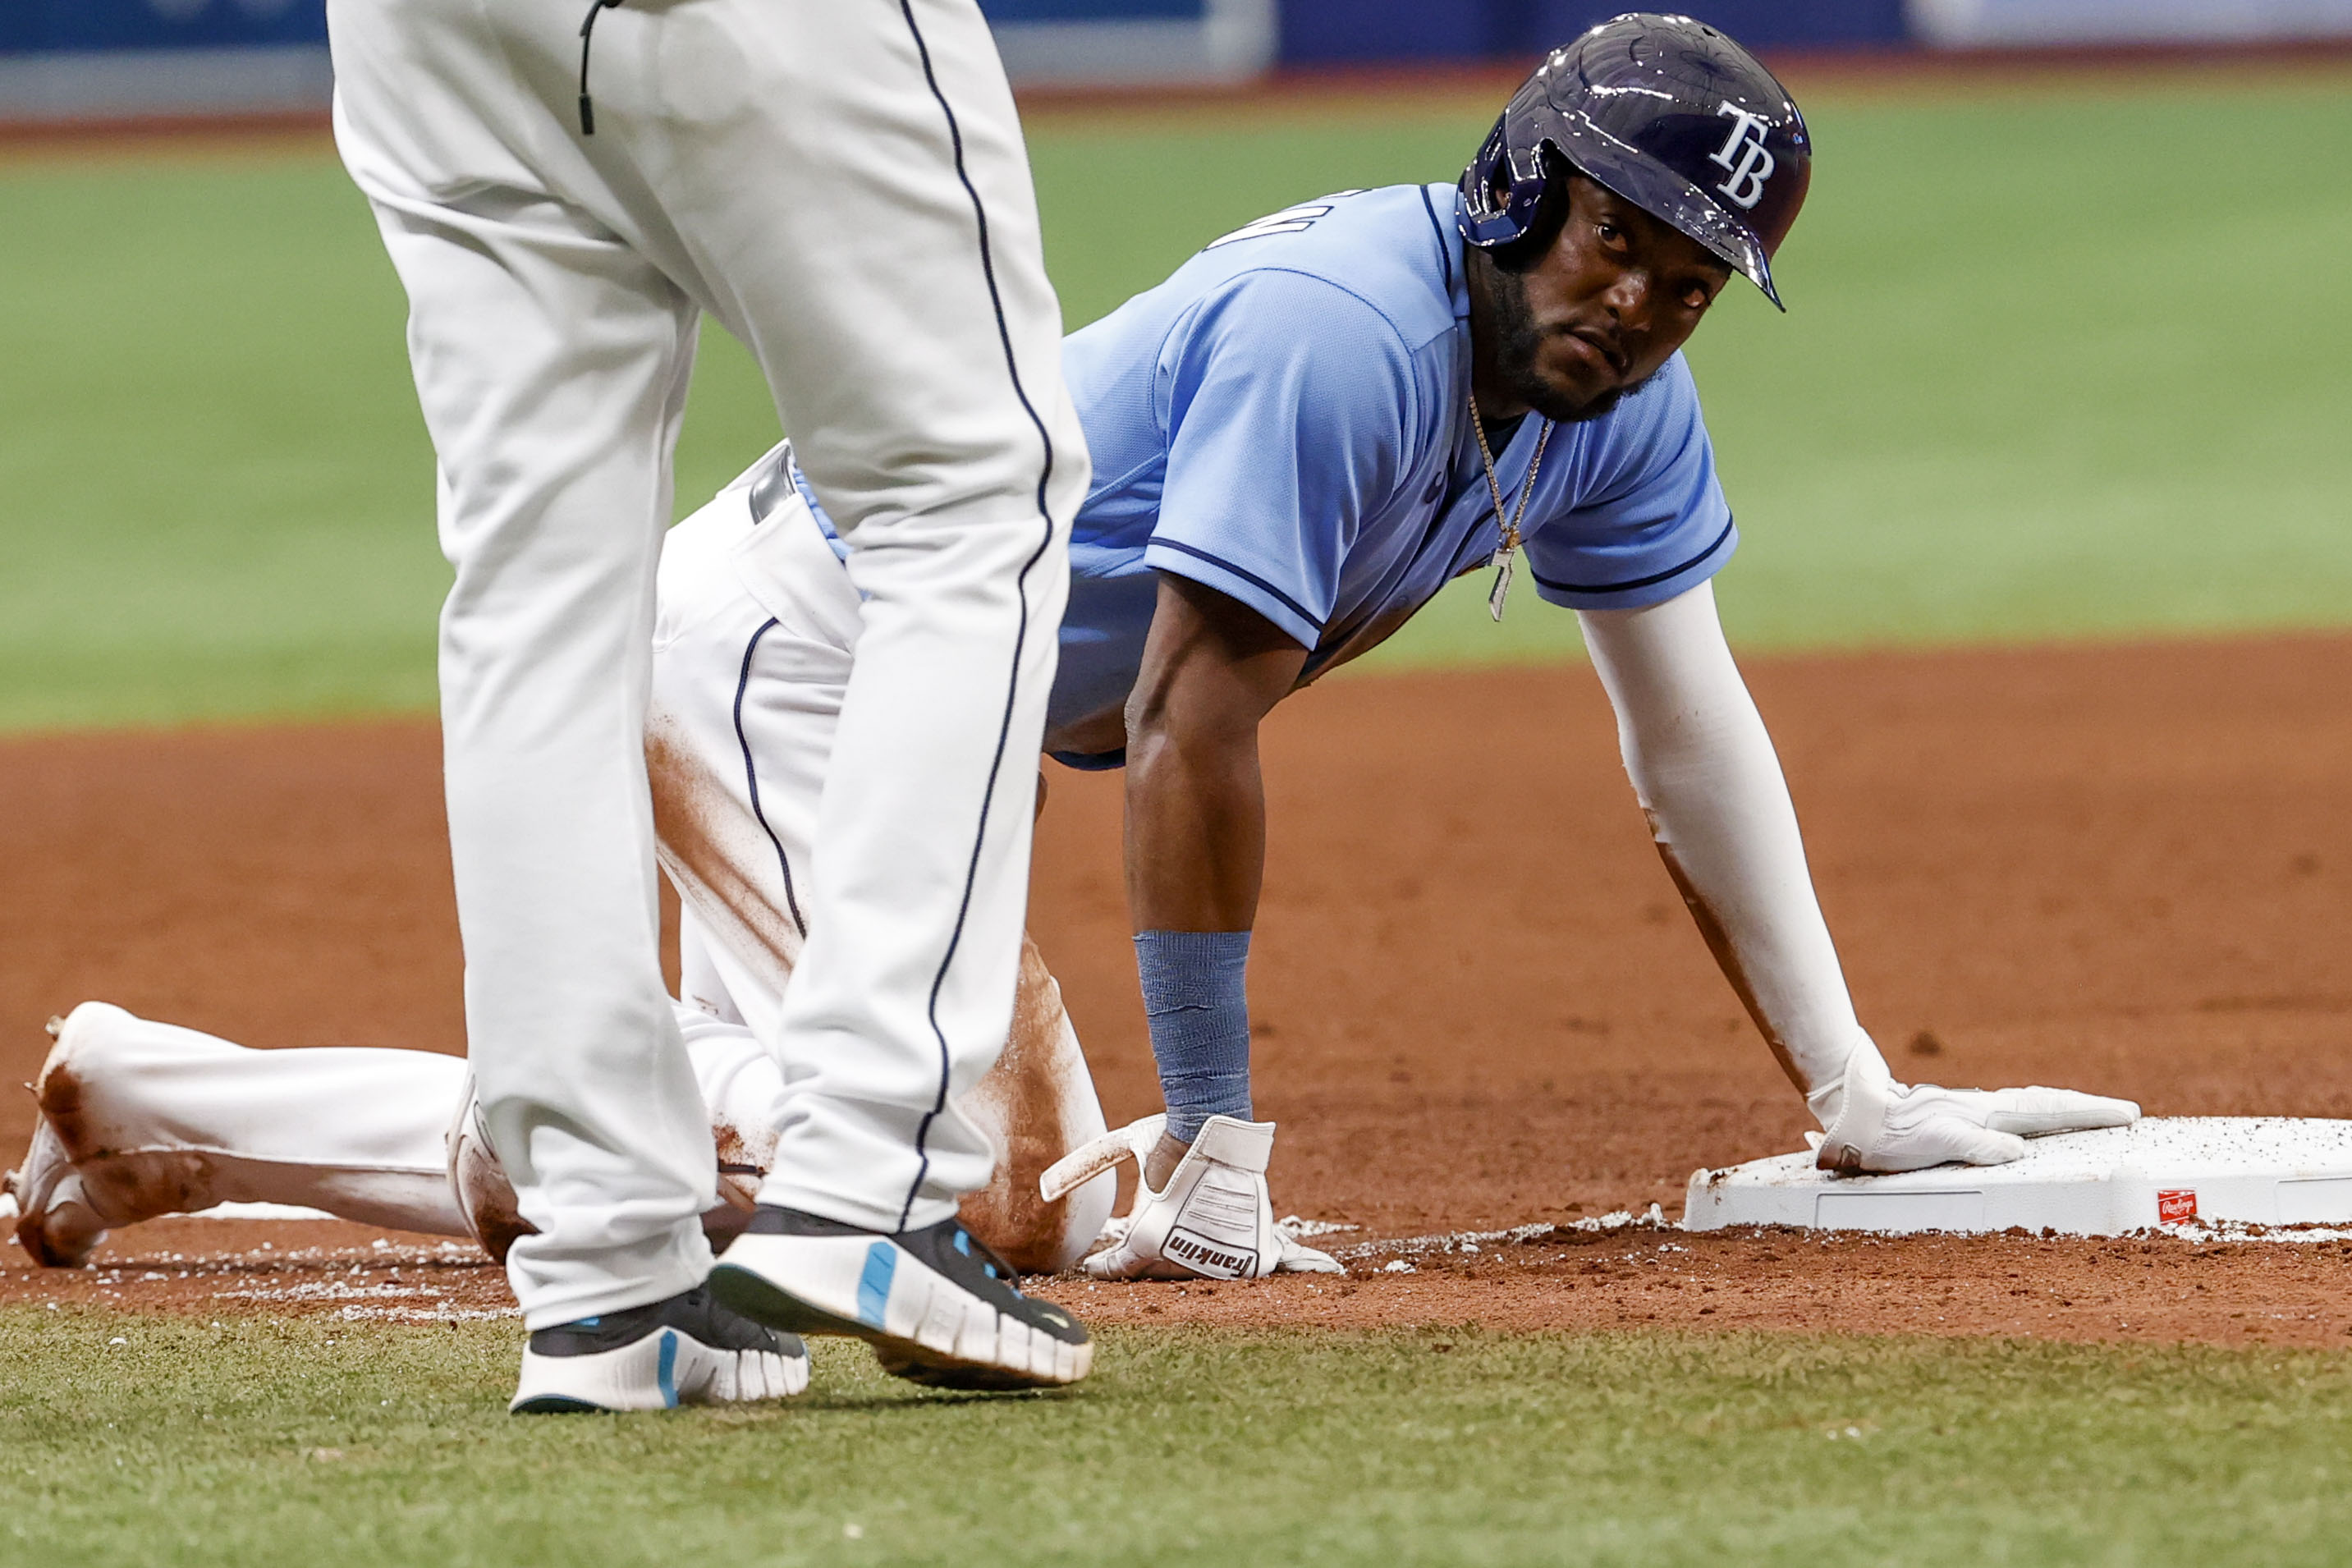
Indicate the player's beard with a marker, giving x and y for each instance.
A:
(1517, 340)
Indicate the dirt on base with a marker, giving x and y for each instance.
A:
(1479, 1003)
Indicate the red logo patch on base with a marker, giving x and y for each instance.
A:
(2175, 1208)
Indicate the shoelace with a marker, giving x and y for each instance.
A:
(587, 30)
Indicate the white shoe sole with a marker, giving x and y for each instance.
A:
(665, 1369)
(922, 1325)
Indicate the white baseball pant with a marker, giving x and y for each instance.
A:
(159, 1120)
(166, 1119)
(843, 186)
(757, 644)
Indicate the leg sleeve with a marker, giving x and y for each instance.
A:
(161, 1120)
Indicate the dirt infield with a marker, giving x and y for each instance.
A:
(2156, 1290)
(1479, 1003)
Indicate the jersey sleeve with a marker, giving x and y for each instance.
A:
(1653, 523)
(1287, 404)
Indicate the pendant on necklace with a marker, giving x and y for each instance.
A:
(1506, 550)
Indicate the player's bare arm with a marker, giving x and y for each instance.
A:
(1213, 668)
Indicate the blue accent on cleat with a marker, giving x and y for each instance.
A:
(963, 1245)
(874, 1284)
(666, 1374)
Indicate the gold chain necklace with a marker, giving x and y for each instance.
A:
(1506, 551)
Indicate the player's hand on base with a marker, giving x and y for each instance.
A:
(1884, 1126)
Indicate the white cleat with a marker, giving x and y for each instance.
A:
(688, 1350)
(937, 1306)
(1213, 1220)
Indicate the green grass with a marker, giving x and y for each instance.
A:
(2056, 367)
(321, 1442)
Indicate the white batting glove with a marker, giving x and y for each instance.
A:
(1212, 1220)
(1883, 1126)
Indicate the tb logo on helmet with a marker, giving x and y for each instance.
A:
(1753, 166)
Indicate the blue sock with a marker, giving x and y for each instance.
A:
(1194, 1000)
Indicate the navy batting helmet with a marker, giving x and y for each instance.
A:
(1668, 113)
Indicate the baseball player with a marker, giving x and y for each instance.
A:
(844, 186)
(1327, 414)
(1300, 436)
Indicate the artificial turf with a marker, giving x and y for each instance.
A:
(163, 1441)
(2057, 363)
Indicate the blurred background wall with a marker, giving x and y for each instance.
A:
(114, 59)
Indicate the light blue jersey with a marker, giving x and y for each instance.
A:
(1287, 420)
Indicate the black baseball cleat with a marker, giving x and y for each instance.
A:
(687, 1350)
(937, 1305)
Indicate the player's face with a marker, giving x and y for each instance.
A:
(1611, 301)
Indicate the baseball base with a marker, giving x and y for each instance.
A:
(2164, 1171)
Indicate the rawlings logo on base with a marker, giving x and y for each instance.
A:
(1197, 1252)
(2176, 1207)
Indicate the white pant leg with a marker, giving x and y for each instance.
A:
(845, 186)
(161, 1120)
(699, 985)
(550, 362)
(1033, 1106)
(752, 646)
(756, 645)
(753, 640)
(749, 706)
(949, 454)
(739, 1083)
(904, 262)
